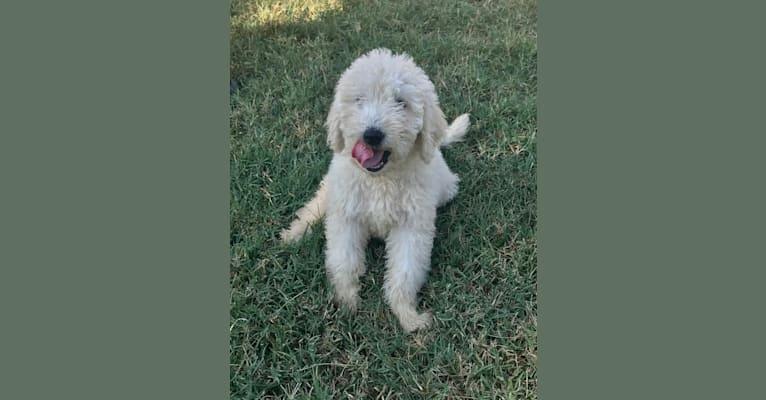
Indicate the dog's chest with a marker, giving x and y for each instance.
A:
(381, 204)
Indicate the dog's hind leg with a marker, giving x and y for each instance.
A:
(309, 215)
(448, 189)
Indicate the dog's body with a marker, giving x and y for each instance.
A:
(386, 179)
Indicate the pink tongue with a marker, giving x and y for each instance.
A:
(365, 156)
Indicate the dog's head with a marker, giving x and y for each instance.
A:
(385, 111)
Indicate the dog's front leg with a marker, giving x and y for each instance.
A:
(346, 241)
(409, 258)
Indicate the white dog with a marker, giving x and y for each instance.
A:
(386, 179)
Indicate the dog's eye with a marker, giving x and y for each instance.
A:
(400, 102)
(359, 100)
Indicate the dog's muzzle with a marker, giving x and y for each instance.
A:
(373, 136)
(372, 159)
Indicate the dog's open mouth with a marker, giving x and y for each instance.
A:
(371, 159)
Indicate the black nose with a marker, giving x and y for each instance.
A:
(373, 136)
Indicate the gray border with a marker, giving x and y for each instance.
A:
(651, 200)
(113, 163)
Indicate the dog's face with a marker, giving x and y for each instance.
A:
(385, 111)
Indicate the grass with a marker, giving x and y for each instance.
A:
(287, 338)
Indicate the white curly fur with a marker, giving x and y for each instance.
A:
(397, 203)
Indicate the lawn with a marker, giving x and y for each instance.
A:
(288, 340)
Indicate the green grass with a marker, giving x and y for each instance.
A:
(287, 338)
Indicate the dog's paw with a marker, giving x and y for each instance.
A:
(416, 322)
(347, 300)
(287, 236)
(293, 234)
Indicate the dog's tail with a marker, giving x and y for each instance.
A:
(309, 215)
(457, 129)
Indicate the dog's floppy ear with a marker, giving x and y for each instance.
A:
(334, 135)
(434, 128)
